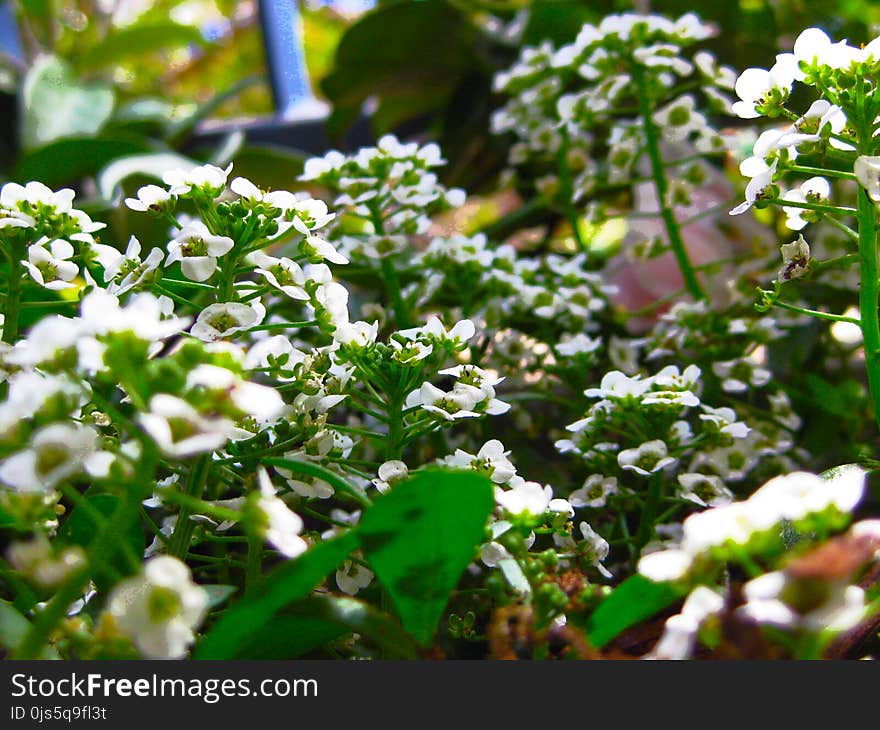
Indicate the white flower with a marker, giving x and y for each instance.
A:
(149, 197)
(740, 374)
(491, 458)
(47, 567)
(706, 490)
(34, 195)
(159, 608)
(356, 334)
(814, 190)
(48, 264)
(433, 329)
(665, 565)
(179, 430)
(795, 259)
(390, 472)
(127, 271)
(680, 631)
(315, 247)
(525, 499)
(259, 401)
(220, 320)
(459, 403)
(352, 577)
(616, 384)
(756, 189)
(867, 170)
(595, 491)
(56, 452)
(285, 275)
(762, 91)
(572, 345)
(598, 547)
(282, 527)
(197, 250)
(647, 459)
(779, 599)
(206, 178)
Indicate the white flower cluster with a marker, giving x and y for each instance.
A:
(646, 426)
(727, 532)
(389, 189)
(562, 97)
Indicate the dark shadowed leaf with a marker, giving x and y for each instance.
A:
(288, 584)
(84, 522)
(307, 625)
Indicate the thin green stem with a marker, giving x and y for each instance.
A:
(673, 232)
(12, 306)
(178, 546)
(817, 314)
(868, 295)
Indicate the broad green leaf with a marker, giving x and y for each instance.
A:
(634, 600)
(73, 158)
(138, 40)
(308, 624)
(13, 627)
(83, 523)
(288, 584)
(55, 104)
(432, 50)
(421, 536)
(149, 165)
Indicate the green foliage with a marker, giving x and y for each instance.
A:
(83, 523)
(138, 40)
(13, 627)
(420, 538)
(634, 600)
(414, 69)
(55, 104)
(288, 584)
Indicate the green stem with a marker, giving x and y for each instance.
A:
(12, 305)
(314, 470)
(401, 313)
(649, 514)
(568, 192)
(652, 146)
(817, 314)
(178, 546)
(254, 570)
(868, 295)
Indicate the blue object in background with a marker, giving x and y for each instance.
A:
(286, 62)
(9, 41)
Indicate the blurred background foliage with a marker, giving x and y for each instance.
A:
(92, 81)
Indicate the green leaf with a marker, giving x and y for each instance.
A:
(430, 51)
(560, 21)
(634, 600)
(80, 528)
(138, 40)
(149, 165)
(318, 620)
(13, 627)
(73, 158)
(421, 536)
(288, 584)
(55, 104)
